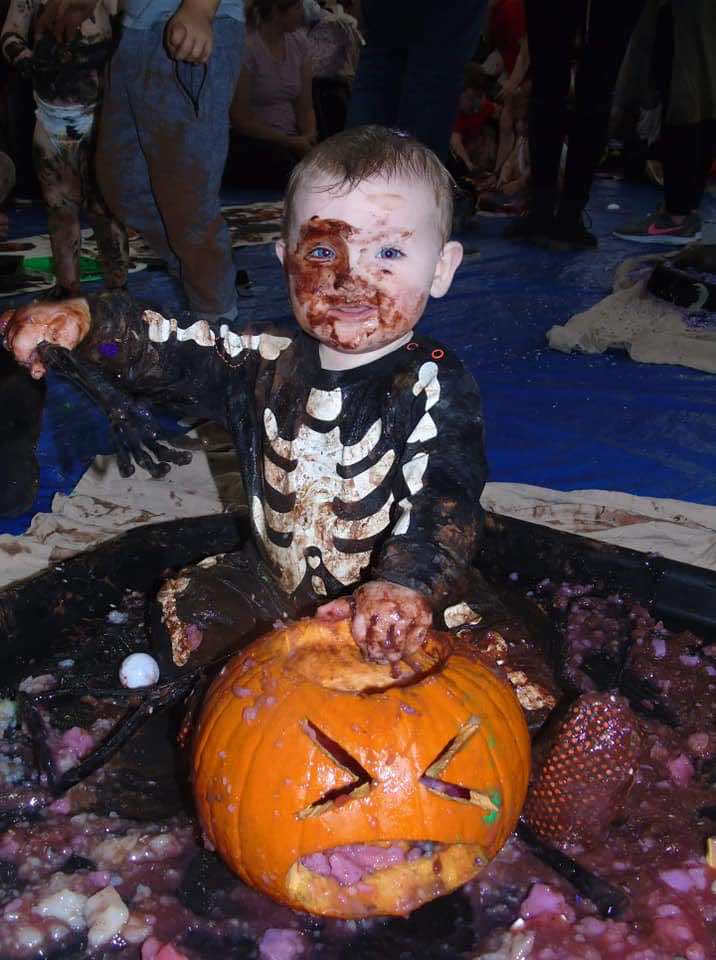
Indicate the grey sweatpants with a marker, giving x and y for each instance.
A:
(162, 145)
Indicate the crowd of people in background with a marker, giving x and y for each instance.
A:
(142, 113)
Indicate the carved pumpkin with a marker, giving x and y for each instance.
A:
(339, 789)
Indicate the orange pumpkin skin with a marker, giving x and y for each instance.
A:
(259, 773)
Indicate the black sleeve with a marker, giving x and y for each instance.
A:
(185, 365)
(442, 472)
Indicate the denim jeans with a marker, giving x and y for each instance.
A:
(410, 72)
(162, 145)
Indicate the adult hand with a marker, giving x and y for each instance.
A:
(65, 323)
(388, 622)
(189, 35)
(63, 17)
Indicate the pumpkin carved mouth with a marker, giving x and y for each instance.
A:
(363, 877)
(374, 878)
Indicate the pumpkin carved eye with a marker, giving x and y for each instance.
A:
(432, 781)
(358, 787)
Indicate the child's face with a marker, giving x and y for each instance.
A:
(361, 263)
(470, 100)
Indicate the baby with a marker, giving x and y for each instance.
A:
(360, 441)
(67, 84)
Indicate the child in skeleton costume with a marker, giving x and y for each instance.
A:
(67, 82)
(360, 441)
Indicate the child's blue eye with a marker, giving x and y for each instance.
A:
(390, 253)
(321, 253)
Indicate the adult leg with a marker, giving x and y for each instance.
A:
(120, 165)
(378, 81)
(182, 116)
(551, 27)
(110, 234)
(684, 179)
(609, 27)
(57, 167)
(259, 163)
(445, 36)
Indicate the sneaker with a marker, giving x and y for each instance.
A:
(571, 234)
(660, 228)
(529, 228)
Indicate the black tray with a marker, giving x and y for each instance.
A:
(41, 609)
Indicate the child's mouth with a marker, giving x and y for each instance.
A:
(356, 312)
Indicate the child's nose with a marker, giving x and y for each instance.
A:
(349, 269)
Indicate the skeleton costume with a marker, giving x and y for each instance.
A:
(67, 85)
(364, 474)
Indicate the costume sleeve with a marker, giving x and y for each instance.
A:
(16, 33)
(442, 472)
(185, 366)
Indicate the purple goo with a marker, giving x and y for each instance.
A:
(110, 349)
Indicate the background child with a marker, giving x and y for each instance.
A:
(360, 441)
(67, 83)
(474, 136)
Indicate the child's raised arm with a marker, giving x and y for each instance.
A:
(14, 41)
(114, 348)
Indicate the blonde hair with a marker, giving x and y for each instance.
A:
(357, 154)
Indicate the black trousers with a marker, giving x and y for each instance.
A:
(410, 71)
(687, 152)
(551, 29)
(687, 149)
(258, 163)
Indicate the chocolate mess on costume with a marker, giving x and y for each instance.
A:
(373, 473)
(67, 86)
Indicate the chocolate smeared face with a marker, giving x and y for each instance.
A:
(361, 264)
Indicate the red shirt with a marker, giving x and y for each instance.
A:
(507, 26)
(468, 125)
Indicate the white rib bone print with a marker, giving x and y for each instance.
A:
(316, 484)
(160, 328)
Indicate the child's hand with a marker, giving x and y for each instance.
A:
(65, 323)
(189, 34)
(388, 622)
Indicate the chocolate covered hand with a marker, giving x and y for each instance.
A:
(388, 622)
(65, 324)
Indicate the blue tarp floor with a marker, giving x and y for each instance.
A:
(554, 420)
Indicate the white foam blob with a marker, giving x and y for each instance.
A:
(138, 670)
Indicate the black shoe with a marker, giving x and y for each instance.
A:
(571, 234)
(530, 228)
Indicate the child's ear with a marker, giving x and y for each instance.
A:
(280, 248)
(448, 262)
